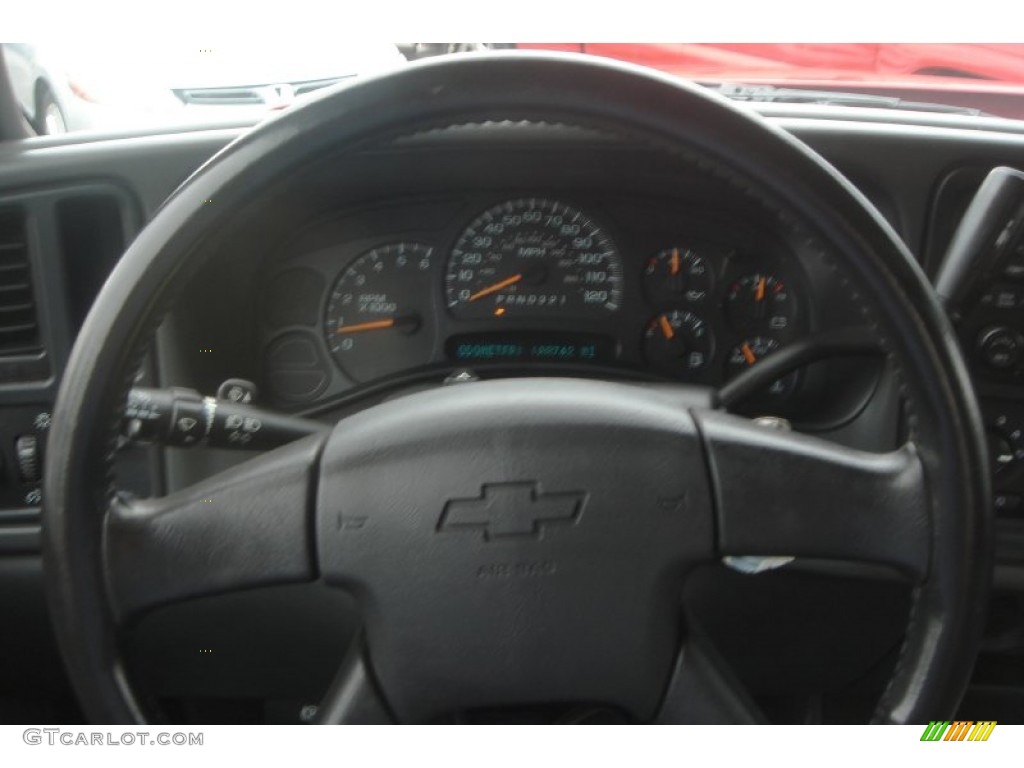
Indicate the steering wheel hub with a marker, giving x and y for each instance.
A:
(516, 542)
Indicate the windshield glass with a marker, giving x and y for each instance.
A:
(63, 87)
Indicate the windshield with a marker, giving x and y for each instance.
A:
(64, 88)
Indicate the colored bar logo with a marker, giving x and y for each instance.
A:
(959, 730)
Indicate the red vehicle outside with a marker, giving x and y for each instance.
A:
(989, 77)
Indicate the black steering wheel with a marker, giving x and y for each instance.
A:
(519, 541)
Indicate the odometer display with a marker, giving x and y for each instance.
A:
(530, 347)
(533, 258)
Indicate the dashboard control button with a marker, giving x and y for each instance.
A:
(1005, 435)
(999, 347)
(1014, 268)
(26, 448)
(1000, 450)
(1003, 296)
(1006, 298)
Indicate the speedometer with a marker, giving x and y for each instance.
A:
(533, 257)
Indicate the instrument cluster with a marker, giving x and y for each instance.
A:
(532, 285)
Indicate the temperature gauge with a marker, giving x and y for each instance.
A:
(752, 351)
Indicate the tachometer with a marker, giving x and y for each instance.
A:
(378, 313)
(533, 257)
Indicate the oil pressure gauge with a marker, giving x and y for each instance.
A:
(677, 275)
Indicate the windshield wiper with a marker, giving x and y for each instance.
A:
(773, 94)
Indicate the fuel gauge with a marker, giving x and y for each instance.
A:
(679, 343)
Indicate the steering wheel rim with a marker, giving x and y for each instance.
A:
(946, 618)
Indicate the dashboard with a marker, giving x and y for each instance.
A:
(445, 258)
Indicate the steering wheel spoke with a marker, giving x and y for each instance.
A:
(354, 697)
(779, 493)
(248, 526)
(704, 690)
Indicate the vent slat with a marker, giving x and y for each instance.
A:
(27, 305)
(19, 326)
(6, 329)
(268, 93)
(16, 307)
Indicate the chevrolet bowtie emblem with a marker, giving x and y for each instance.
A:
(512, 509)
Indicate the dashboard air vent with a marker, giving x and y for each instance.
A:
(272, 95)
(19, 326)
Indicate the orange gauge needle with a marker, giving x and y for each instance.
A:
(409, 323)
(360, 327)
(748, 354)
(666, 327)
(759, 293)
(496, 287)
(674, 264)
